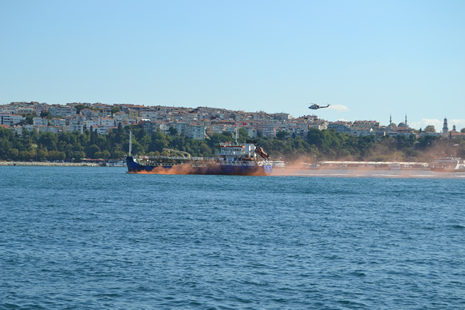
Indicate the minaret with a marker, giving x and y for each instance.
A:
(390, 119)
(406, 126)
(445, 129)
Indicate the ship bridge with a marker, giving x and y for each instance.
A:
(228, 149)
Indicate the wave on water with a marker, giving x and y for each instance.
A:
(102, 238)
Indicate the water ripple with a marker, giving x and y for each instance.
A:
(100, 238)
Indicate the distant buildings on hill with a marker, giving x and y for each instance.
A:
(197, 123)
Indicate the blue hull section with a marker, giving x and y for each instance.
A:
(134, 167)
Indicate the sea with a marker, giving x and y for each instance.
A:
(100, 238)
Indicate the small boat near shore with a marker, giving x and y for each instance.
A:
(448, 164)
(394, 166)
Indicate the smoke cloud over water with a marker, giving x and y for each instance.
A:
(177, 169)
(295, 171)
(359, 173)
(302, 169)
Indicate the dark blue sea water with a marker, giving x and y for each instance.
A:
(98, 238)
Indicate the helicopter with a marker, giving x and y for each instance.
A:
(316, 106)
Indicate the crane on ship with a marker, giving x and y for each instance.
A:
(184, 154)
(261, 152)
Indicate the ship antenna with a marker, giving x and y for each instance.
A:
(130, 142)
(236, 133)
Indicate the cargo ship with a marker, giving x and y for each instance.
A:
(232, 159)
(448, 164)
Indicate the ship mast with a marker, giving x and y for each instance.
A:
(130, 142)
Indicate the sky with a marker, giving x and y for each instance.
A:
(367, 59)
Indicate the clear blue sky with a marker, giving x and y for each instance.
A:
(368, 59)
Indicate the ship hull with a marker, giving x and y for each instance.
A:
(214, 169)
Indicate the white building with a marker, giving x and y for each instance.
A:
(267, 130)
(40, 107)
(29, 127)
(340, 126)
(366, 124)
(181, 127)
(24, 110)
(87, 113)
(57, 122)
(95, 114)
(107, 122)
(120, 116)
(101, 130)
(151, 115)
(252, 132)
(92, 122)
(17, 130)
(55, 129)
(75, 127)
(319, 126)
(196, 131)
(163, 127)
(5, 119)
(361, 132)
(62, 110)
(10, 119)
(212, 129)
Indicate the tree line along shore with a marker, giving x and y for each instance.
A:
(317, 145)
(46, 164)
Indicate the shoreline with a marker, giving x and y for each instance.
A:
(45, 164)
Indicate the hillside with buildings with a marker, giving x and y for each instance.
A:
(101, 130)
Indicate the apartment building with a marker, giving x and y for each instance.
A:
(196, 131)
(62, 110)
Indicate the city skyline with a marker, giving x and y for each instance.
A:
(17, 109)
(368, 60)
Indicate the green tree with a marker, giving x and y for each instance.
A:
(56, 155)
(243, 135)
(92, 150)
(13, 154)
(5, 145)
(115, 109)
(137, 148)
(426, 141)
(42, 154)
(173, 131)
(429, 128)
(281, 135)
(46, 114)
(48, 140)
(79, 108)
(117, 154)
(315, 136)
(103, 154)
(28, 119)
(79, 156)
